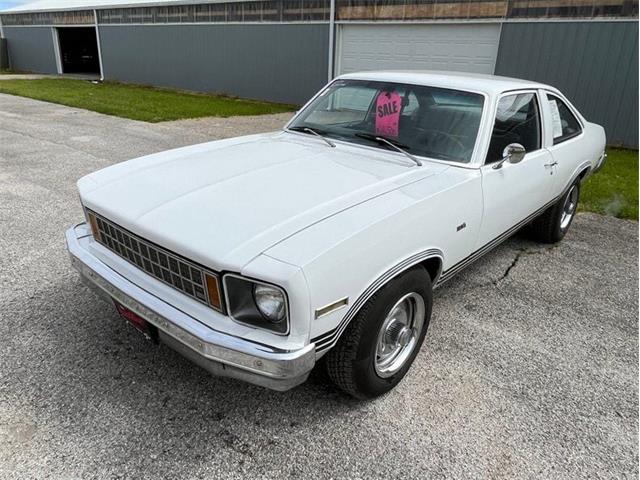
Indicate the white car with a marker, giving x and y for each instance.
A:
(257, 256)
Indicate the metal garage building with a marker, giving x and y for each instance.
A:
(284, 50)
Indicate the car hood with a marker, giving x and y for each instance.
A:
(223, 203)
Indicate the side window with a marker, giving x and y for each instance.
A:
(517, 121)
(565, 124)
(410, 104)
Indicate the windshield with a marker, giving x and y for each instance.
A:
(432, 122)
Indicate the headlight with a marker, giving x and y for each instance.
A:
(270, 302)
(256, 303)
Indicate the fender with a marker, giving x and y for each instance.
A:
(583, 171)
(328, 339)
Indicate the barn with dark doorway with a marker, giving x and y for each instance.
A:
(78, 50)
(285, 50)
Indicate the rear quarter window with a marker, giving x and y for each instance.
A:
(564, 123)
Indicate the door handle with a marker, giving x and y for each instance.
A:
(552, 164)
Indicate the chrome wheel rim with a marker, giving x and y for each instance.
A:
(399, 334)
(569, 208)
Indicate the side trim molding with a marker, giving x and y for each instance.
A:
(462, 264)
(329, 338)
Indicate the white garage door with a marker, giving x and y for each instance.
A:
(469, 48)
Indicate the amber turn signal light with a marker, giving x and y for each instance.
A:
(94, 225)
(213, 289)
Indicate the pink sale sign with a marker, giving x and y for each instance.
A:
(388, 113)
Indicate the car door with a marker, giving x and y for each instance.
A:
(512, 192)
(564, 132)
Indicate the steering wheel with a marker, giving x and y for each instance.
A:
(448, 136)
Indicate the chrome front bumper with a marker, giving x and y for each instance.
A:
(217, 352)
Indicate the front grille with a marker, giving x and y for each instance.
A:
(158, 262)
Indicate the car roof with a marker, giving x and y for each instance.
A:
(489, 84)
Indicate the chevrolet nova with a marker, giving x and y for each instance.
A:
(258, 257)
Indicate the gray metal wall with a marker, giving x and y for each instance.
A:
(4, 55)
(595, 64)
(31, 49)
(278, 62)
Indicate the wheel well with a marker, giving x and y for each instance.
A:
(584, 173)
(433, 265)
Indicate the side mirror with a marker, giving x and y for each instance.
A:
(512, 153)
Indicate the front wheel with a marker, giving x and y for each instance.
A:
(379, 345)
(554, 223)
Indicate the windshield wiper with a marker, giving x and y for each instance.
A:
(313, 132)
(391, 143)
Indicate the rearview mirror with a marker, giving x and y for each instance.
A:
(512, 153)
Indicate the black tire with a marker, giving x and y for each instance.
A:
(548, 228)
(351, 363)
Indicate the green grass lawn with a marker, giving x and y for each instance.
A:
(614, 189)
(137, 102)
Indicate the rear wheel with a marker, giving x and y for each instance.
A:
(379, 345)
(554, 223)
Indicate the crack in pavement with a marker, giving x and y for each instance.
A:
(519, 254)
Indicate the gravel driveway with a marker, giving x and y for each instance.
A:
(529, 369)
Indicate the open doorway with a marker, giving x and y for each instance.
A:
(79, 50)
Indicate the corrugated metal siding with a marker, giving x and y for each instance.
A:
(284, 63)
(595, 64)
(31, 49)
(4, 54)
